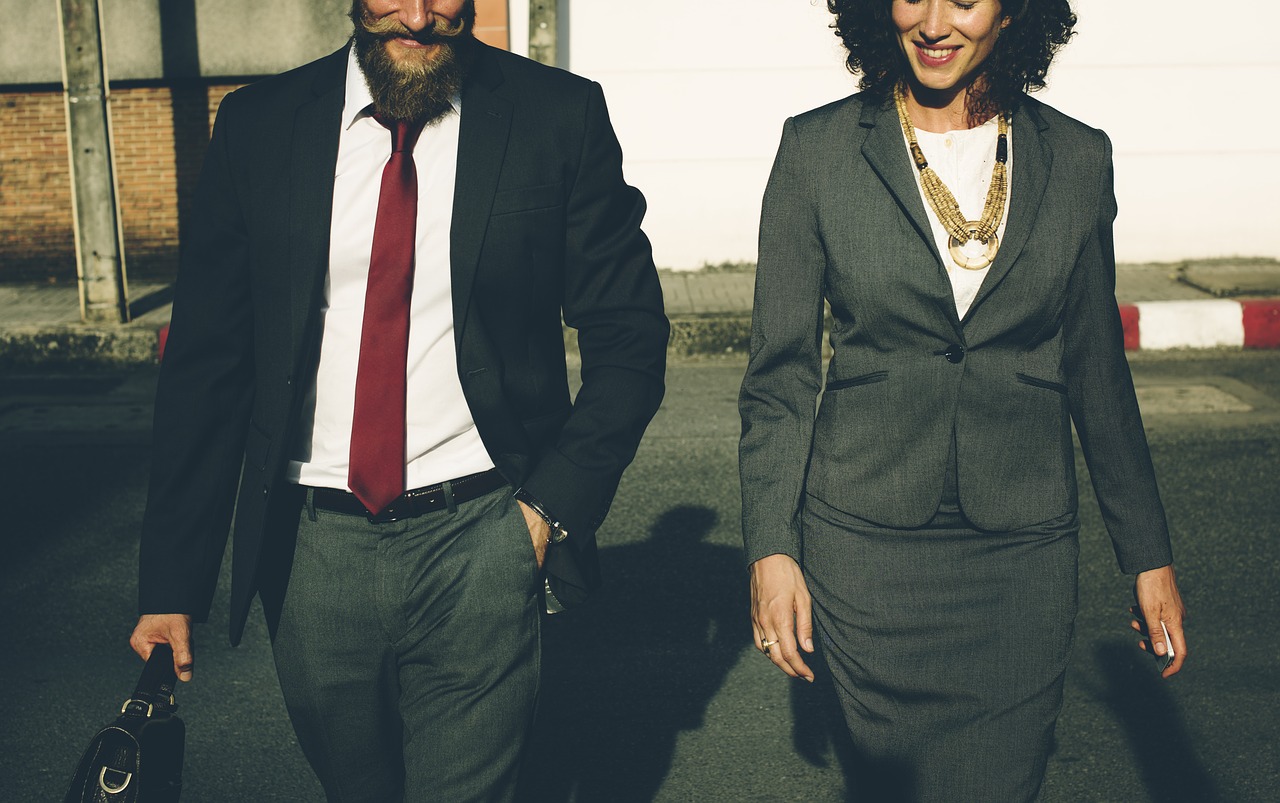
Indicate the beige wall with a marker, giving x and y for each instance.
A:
(1183, 88)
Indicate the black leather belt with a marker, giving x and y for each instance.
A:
(413, 503)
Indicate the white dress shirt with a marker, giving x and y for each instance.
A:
(441, 441)
(963, 160)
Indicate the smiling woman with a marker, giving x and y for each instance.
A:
(1030, 35)
(920, 531)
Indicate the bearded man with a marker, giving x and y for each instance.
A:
(367, 332)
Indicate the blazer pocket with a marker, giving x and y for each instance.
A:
(1041, 383)
(853, 382)
(528, 199)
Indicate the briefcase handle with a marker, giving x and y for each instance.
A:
(155, 685)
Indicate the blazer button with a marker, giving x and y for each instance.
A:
(954, 353)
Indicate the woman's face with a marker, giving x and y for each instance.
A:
(946, 42)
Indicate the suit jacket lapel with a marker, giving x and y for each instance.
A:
(313, 158)
(482, 145)
(1032, 160)
(886, 152)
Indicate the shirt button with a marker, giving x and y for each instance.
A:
(954, 353)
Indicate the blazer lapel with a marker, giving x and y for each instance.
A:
(886, 152)
(482, 146)
(1032, 161)
(313, 159)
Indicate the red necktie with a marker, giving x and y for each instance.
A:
(376, 475)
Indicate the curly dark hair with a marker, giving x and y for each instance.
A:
(1037, 31)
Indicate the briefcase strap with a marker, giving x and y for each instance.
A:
(154, 692)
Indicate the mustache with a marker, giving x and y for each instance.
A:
(441, 30)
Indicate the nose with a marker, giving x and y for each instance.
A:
(414, 14)
(936, 24)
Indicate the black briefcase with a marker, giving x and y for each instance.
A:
(138, 757)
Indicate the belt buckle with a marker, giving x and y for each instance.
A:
(388, 515)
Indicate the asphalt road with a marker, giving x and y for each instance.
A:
(653, 691)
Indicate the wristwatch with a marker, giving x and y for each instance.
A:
(558, 531)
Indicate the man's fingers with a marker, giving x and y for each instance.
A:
(173, 629)
(539, 531)
(183, 660)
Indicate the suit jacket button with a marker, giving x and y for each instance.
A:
(954, 353)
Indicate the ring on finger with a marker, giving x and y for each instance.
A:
(765, 644)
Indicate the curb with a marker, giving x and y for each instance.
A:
(1165, 325)
(79, 346)
(1148, 326)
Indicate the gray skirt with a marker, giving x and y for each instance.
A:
(947, 648)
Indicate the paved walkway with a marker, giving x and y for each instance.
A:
(1218, 303)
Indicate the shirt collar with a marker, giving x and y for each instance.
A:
(358, 102)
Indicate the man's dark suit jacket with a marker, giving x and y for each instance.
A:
(543, 226)
(1040, 347)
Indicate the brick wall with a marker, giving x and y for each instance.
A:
(35, 192)
(160, 133)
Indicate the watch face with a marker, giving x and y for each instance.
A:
(558, 534)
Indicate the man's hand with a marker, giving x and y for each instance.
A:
(173, 629)
(782, 614)
(539, 531)
(1159, 601)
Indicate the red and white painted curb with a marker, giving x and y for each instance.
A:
(1163, 325)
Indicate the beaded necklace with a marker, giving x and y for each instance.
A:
(944, 203)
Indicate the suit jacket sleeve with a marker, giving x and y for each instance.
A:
(613, 299)
(780, 389)
(202, 400)
(1104, 406)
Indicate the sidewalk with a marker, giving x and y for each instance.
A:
(1231, 303)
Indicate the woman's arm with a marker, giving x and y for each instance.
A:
(779, 392)
(1104, 408)
(777, 402)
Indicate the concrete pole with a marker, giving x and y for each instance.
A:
(542, 31)
(99, 251)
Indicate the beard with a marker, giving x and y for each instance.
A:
(420, 85)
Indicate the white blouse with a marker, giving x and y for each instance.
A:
(963, 160)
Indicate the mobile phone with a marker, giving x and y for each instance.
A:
(1163, 662)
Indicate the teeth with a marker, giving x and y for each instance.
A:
(936, 54)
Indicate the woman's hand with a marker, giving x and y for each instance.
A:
(782, 614)
(1159, 602)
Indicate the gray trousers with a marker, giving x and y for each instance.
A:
(408, 652)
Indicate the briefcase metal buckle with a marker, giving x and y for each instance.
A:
(111, 789)
(124, 709)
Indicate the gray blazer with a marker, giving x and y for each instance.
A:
(1040, 347)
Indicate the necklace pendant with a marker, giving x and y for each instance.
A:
(973, 253)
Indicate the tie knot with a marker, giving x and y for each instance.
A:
(404, 133)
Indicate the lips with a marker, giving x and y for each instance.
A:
(936, 56)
